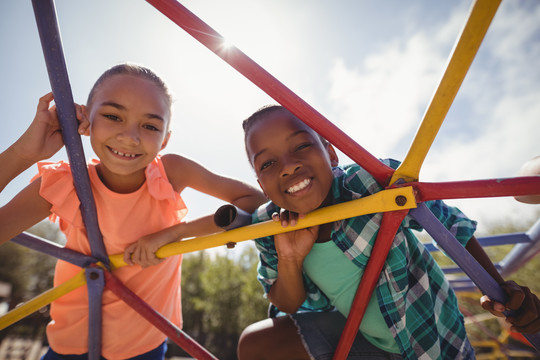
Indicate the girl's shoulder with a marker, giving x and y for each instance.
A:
(172, 160)
(54, 170)
(179, 169)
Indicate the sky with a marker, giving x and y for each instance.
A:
(370, 67)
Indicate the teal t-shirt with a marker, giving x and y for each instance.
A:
(330, 269)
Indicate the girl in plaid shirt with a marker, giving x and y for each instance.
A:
(312, 274)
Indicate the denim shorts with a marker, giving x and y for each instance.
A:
(156, 354)
(321, 331)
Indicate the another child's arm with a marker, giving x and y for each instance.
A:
(530, 168)
(520, 299)
(182, 173)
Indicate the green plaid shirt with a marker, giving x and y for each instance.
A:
(415, 298)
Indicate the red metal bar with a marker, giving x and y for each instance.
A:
(389, 226)
(155, 318)
(525, 185)
(273, 87)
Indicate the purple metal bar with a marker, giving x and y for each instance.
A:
(51, 44)
(159, 321)
(48, 247)
(95, 282)
(464, 260)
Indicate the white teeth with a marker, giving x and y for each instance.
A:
(122, 154)
(297, 187)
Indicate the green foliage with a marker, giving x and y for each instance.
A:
(220, 297)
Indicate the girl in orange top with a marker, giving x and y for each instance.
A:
(137, 195)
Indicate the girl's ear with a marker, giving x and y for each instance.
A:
(166, 140)
(334, 161)
(84, 122)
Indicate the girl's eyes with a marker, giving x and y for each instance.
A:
(112, 117)
(115, 118)
(266, 165)
(151, 127)
(303, 146)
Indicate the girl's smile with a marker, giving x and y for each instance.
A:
(123, 155)
(298, 188)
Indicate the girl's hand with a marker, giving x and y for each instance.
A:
(43, 138)
(143, 251)
(525, 304)
(287, 217)
(294, 245)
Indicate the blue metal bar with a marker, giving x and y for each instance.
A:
(51, 44)
(95, 281)
(495, 240)
(464, 259)
(522, 253)
(50, 248)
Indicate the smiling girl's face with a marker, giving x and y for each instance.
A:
(293, 166)
(129, 118)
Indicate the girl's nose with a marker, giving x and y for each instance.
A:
(290, 166)
(129, 135)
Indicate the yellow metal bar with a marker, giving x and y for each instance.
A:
(471, 37)
(40, 301)
(386, 200)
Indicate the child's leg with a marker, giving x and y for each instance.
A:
(275, 338)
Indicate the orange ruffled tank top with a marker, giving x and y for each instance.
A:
(123, 218)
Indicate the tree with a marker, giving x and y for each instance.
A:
(220, 297)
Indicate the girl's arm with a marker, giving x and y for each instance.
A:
(183, 173)
(25, 210)
(520, 299)
(288, 292)
(477, 251)
(143, 252)
(40, 141)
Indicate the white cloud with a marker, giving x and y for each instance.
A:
(495, 120)
(382, 101)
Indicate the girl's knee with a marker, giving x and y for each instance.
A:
(250, 343)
